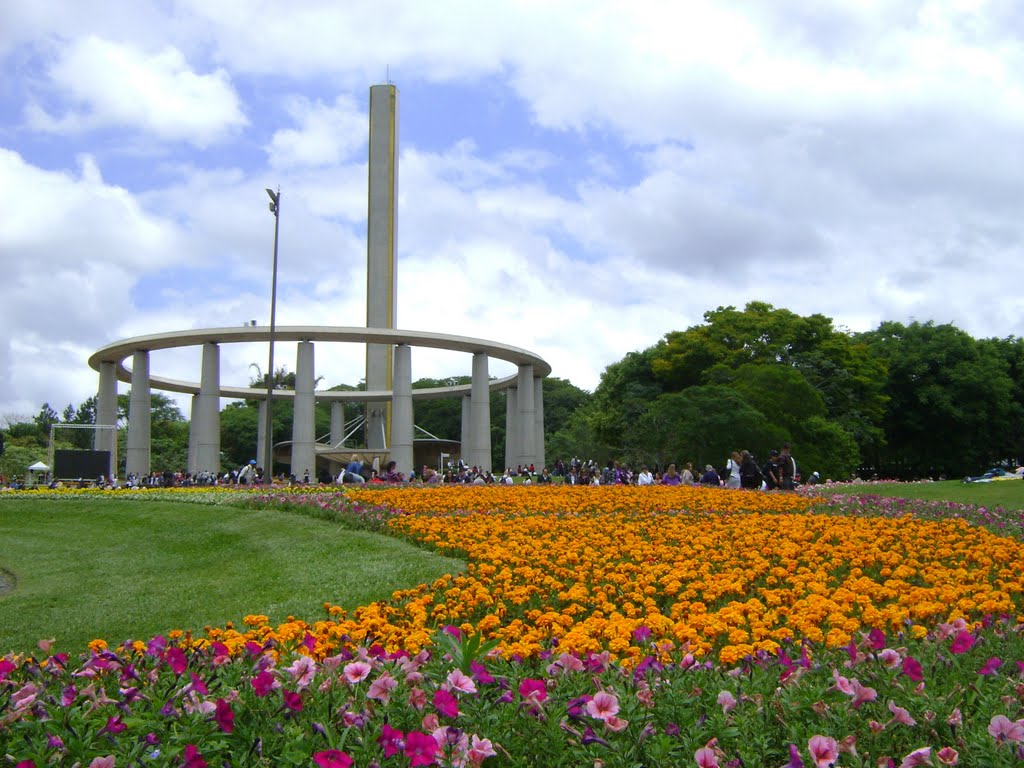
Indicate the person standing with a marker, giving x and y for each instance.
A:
(788, 466)
(732, 469)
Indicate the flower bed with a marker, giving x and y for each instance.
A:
(628, 626)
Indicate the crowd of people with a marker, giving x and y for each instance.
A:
(740, 470)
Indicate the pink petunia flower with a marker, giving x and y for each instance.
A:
(356, 672)
(1005, 730)
(948, 756)
(841, 683)
(603, 705)
(103, 762)
(922, 756)
(616, 724)
(824, 751)
(302, 670)
(900, 715)
(727, 701)
(862, 694)
(706, 758)
(332, 758)
(890, 658)
(381, 688)
(460, 681)
(480, 750)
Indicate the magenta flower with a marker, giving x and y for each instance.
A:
(192, 757)
(824, 751)
(1004, 730)
(862, 693)
(420, 748)
(795, 761)
(224, 716)
(175, 658)
(948, 756)
(198, 685)
(912, 669)
(962, 643)
(293, 701)
(391, 740)
(332, 758)
(533, 690)
(706, 758)
(264, 683)
(991, 666)
(445, 704)
(876, 639)
(114, 725)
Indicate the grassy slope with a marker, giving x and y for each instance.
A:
(88, 568)
(1008, 494)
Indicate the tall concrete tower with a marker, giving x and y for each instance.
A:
(381, 276)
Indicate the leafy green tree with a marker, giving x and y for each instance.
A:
(16, 459)
(825, 447)
(950, 400)
(704, 424)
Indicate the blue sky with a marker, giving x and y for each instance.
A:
(576, 178)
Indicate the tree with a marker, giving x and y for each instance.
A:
(951, 405)
(46, 418)
(704, 425)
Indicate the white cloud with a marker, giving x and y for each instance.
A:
(327, 135)
(115, 84)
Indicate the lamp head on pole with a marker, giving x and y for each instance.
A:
(274, 196)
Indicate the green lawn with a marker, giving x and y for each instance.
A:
(1008, 494)
(88, 568)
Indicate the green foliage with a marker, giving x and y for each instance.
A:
(16, 459)
(825, 447)
(703, 425)
(951, 399)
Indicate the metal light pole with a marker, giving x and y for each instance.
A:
(268, 450)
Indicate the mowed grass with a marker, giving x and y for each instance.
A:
(1008, 494)
(90, 568)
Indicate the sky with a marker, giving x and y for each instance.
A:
(577, 178)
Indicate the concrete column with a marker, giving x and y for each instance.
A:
(261, 437)
(207, 425)
(381, 272)
(401, 410)
(303, 438)
(511, 427)
(106, 413)
(139, 417)
(526, 416)
(480, 418)
(338, 425)
(538, 422)
(465, 449)
(193, 435)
